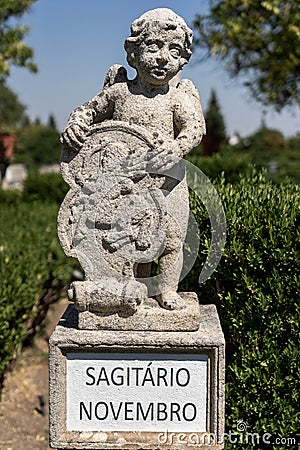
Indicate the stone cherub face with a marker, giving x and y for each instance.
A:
(158, 47)
(158, 57)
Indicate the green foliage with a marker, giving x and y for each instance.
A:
(293, 143)
(12, 112)
(259, 39)
(38, 145)
(215, 125)
(267, 148)
(13, 50)
(227, 162)
(10, 197)
(45, 187)
(30, 258)
(267, 139)
(256, 287)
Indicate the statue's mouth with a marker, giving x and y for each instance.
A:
(159, 72)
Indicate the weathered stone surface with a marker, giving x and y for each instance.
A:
(122, 158)
(67, 339)
(148, 317)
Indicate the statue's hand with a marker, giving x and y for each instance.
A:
(165, 157)
(160, 159)
(74, 135)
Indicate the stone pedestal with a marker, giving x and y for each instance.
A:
(149, 317)
(113, 389)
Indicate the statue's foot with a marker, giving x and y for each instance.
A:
(131, 304)
(170, 300)
(133, 295)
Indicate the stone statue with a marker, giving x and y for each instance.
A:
(128, 200)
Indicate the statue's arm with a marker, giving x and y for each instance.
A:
(188, 117)
(96, 110)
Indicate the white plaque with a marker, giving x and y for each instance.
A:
(136, 392)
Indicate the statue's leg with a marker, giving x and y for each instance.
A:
(171, 261)
(170, 266)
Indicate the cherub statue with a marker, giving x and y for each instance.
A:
(168, 110)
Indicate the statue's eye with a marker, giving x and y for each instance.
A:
(175, 52)
(153, 47)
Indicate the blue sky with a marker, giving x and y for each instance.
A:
(76, 41)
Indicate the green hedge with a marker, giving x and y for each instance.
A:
(255, 288)
(31, 261)
(33, 267)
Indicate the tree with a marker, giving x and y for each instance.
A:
(38, 145)
(51, 122)
(13, 50)
(12, 112)
(267, 141)
(215, 124)
(259, 39)
(12, 115)
(215, 127)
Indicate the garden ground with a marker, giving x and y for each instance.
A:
(23, 418)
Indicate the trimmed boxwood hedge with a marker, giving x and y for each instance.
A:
(256, 290)
(32, 268)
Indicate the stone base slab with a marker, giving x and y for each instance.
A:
(208, 341)
(149, 316)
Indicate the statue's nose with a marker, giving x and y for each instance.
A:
(163, 55)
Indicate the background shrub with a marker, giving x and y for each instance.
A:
(227, 162)
(10, 197)
(37, 144)
(266, 148)
(256, 291)
(48, 187)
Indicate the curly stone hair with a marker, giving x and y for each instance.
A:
(162, 16)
